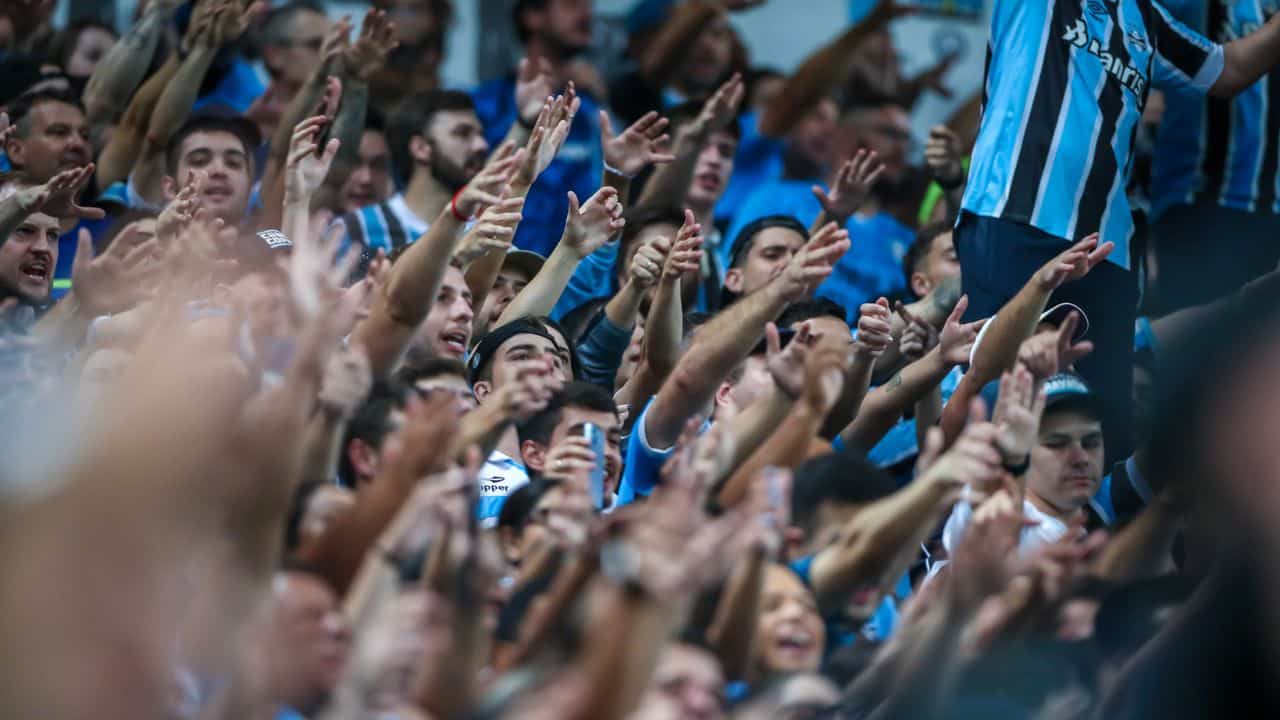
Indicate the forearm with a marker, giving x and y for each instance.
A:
(348, 126)
(123, 68)
(726, 340)
(856, 384)
(412, 285)
(669, 183)
(482, 429)
(928, 413)
(118, 157)
(621, 653)
(175, 103)
(323, 445)
(63, 327)
(545, 617)
(786, 445)
(623, 309)
(732, 632)
(1248, 58)
(670, 49)
(887, 403)
(302, 105)
(1143, 549)
(542, 292)
(664, 328)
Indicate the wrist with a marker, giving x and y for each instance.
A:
(948, 181)
(612, 169)
(455, 211)
(1016, 463)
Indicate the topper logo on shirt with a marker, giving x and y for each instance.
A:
(1128, 75)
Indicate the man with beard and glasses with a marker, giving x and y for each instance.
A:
(553, 32)
(437, 146)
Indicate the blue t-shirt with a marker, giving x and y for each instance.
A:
(594, 279)
(873, 266)
(758, 160)
(577, 167)
(900, 442)
(642, 468)
(1065, 87)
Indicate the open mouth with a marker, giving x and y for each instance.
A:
(795, 640)
(708, 181)
(36, 270)
(217, 193)
(455, 342)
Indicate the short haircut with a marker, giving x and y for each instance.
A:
(638, 218)
(685, 112)
(430, 369)
(412, 117)
(809, 309)
(518, 507)
(63, 45)
(843, 477)
(540, 427)
(747, 235)
(920, 247)
(275, 27)
(371, 424)
(241, 128)
(20, 109)
(517, 16)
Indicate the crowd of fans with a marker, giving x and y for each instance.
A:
(639, 383)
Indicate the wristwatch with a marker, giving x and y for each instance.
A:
(1018, 469)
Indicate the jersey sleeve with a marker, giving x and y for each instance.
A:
(1183, 56)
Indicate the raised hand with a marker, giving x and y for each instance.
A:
(345, 383)
(1017, 414)
(181, 210)
(550, 130)
(918, 337)
(535, 382)
(533, 86)
(851, 186)
(316, 273)
(571, 460)
(590, 226)
(648, 263)
(809, 267)
(942, 156)
(720, 109)
(490, 184)
(934, 78)
(685, 257)
(787, 365)
(1048, 353)
(638, 147)
(956, 339)
(227, 21)
(973, 460)
(1074, 263)
(121, 277)
(875, 330)
(307, 164)
(59, 196)
(493, 232)
(824, 379)
(376, 41)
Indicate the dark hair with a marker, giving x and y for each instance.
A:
(64, 43)
(747, 235)
(843, 477)
(540, 427)
(241, 128)
(638, 218)
(519, 505)
(20, 109)
(15, 177)
(818, 307)
(370, 424)
(273, 27)
(375, 120)
(753, 77)
(412, 117)
(517, 16)
(685, 112)
(920, 247)
(430, 368)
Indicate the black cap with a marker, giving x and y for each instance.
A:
(489, 344)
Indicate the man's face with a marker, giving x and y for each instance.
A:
(56, 139)
(771, 250)
(790, 630)
(509, 284)
(458, 147)
(370, 180)
(940, 264)
(571, 422)
(92, 44)
(292, 60)
(312, 637)
(220, 156)
(711, 55)
(447, 330)
(568, 24)
(687, 683)
(454, 385)
(812, 137)
(712, 171)
(521, 348)
(27, 260)
(887, 131)
(1066, 464)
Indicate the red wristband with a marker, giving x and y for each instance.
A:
(453, 208)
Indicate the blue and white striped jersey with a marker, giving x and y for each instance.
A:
(1066, 82)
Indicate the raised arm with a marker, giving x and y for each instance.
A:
(670, 182)
(636, 148)
(122, 70)
(822, 72)
(728, 338)
(668, 52)
(118, 157)
(587, 228)
(1248, 58)
(415, 278)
